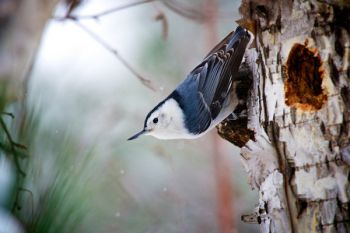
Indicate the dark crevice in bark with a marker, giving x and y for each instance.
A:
(264, 97)
(284, 169)
(301, 206)
(236, 131)
(334, 73)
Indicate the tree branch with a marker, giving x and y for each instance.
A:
(16, 203)
(161, 16)
(185, 11)
(10, 114)
(104, 13)
(13, 144)
(148, 83)
(180, 9)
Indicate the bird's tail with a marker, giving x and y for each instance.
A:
(231, 39)
(236, 47)
(240, 35)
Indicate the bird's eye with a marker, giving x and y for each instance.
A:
(155, 120)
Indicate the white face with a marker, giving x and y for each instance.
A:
(167, 122)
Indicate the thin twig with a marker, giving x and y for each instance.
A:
(16, 204)
(112, 10)
(12, 146)
(104, 13)
(10, 114)
(7, 149)
(185, 11)
(71, 5)
(9, 137)
(148, 83)
(193, 13)
(180, 9)
(164, 20)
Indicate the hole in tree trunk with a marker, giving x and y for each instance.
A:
(303, 86)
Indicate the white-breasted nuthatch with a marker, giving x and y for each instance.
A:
(204, 98)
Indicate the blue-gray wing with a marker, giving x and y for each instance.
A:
(213, 80)
(218, 68)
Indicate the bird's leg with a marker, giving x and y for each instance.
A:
(232, 117)
(242, 114)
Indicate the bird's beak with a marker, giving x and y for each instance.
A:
(137, 135)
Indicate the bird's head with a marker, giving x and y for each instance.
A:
(165, 121)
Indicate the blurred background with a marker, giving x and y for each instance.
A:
(72, 169)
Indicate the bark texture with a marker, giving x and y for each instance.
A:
(296, 138)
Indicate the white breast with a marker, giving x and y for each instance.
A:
(174, 127)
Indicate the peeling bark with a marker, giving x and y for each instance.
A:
(299, 110)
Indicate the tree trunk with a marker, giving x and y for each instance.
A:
(295, 140)
(21, 25)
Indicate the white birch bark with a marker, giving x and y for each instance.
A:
(298, 115)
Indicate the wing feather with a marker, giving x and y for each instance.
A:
(215, 72)
(213, 80)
